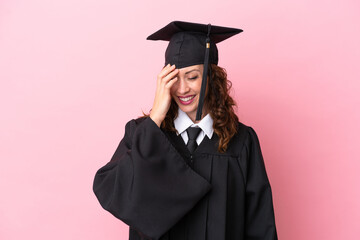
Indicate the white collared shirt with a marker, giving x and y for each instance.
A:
(182, 122)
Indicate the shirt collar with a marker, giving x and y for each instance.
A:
(182, 122)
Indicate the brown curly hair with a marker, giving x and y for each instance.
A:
(219, 104)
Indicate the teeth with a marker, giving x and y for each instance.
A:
(186, 99)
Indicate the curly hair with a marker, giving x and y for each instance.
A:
(220, 106)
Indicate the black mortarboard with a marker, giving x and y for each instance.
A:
(192, 44)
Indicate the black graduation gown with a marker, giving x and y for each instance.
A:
(153, 184)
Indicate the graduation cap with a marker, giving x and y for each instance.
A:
(192, 44)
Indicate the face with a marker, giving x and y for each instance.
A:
(186, 90)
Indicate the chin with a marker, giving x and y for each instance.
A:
(188, 109)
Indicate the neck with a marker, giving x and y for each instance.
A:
(193, 116)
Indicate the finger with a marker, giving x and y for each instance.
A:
(170, 75)
(168, 65)
(160, 75)
(171, 82)
(165, 68)
(166, 71)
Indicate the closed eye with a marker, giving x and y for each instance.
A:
(194, 78)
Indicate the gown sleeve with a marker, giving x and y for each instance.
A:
(259, 216)
(147, 184)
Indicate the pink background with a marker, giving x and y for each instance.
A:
(74, 72)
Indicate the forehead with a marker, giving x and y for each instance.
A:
(188, 69)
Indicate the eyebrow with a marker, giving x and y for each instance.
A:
(192, 70)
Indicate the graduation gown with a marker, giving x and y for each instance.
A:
(153, 184)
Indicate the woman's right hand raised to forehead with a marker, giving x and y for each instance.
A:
(165, 79)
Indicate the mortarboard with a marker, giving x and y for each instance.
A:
(192, 44)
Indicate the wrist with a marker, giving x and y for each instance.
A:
(157, 120)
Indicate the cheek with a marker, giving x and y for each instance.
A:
(197, 85)
(173, 90)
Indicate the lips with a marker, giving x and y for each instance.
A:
(187, 99)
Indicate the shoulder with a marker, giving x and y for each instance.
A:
(244, 131)
(132, 124)
(250, 139)
(247, 129)
(243, 138)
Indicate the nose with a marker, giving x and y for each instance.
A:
(183, 87)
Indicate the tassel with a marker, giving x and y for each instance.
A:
(203, 83)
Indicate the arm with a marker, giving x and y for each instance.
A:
(147, 184)
(259, 217)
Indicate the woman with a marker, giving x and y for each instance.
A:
(190, 169)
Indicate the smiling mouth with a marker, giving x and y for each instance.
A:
(186, 98)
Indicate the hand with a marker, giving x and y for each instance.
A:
(165, 79)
